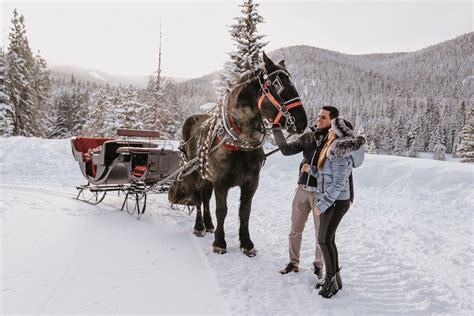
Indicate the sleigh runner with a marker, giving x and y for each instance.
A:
(131, 165)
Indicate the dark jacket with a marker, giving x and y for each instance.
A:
(310, 143)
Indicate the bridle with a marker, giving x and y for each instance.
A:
(271, 88)
(222, 127)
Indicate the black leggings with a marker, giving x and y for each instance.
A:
(329, 220)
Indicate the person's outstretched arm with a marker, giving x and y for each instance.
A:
(288, 149)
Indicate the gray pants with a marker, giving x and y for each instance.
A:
(303, 204)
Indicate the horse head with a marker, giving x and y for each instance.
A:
(280, 103)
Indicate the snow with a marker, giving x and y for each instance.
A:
(208, 106)
(406, 245)
(97, 76)
(449, 157)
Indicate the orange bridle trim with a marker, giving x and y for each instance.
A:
(277, 104)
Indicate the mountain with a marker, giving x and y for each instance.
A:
(328, 77)
(99, 77)
(416, 100)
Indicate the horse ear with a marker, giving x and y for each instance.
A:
(268, 63)
(282, 63)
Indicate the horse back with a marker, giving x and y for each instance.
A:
(192, 124)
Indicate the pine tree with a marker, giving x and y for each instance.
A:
(62, 115)
(20, 79)
(70, 108)
(98, 109)
(153, 107)
(459, 121)
(153, 98)
(432, 125)
(466, 147)
(7, 112)
(371, 148)
(248, 43)
(129, 110)
(42, 87)
(78, 108)
(439, 151)
(172, 115)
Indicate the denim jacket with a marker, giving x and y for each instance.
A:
(333, 179)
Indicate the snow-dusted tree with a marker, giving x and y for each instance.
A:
(70, 108)
(42, 87)
(62, 115)
(465, 151)
(171, 116)
(370, 149)
(79, 107)
(20, 81)
(439, 151)
(414, 141)
(400, 137)
(129, 110)
(153, 107)
(388, 135)
(7, 112)
(153, 97)
(431, 121)
(248, 44)
(99, 115)
(458, 124)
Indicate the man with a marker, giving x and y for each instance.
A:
(311, 144)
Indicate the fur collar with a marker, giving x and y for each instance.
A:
(344, 146)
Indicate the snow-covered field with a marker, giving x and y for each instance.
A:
(406, 246)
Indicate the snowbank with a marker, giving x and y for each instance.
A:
(405, 246)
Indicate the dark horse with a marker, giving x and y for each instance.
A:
(227, 146)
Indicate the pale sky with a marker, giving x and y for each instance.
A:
(122, 37)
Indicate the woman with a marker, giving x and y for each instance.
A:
(342, 151)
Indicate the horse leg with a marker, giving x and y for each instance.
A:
(247, 192)
(206, 197)
(199, 228)
(219, 244)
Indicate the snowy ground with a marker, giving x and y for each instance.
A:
(406, 246)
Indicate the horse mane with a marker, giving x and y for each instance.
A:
(247, 75)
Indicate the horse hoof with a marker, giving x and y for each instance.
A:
(219, 251)
(250, 253)
(199, 233)
(210, 230)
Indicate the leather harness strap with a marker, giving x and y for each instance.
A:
(233, 123)
(276, 103)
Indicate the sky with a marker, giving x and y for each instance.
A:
(122, 37)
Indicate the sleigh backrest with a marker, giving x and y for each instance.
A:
(81, 145)
(137, 133)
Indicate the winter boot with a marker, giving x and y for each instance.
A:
(338, 278)
(319, 283)
(329, 287)
(289, 268)
(317, 271)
